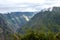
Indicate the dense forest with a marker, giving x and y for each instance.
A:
(31, 35)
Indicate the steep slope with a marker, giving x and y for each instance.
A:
(16, 20)
(45, 21)
(4, 28)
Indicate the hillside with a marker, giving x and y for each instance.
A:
(15, 20)
(4, 28)
(44, 21)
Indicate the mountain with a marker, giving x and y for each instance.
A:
(44, 21)
(15, 20)
(4, 28)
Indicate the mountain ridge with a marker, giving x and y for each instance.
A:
(44, 21)
(16, 20)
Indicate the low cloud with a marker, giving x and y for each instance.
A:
(26, 5)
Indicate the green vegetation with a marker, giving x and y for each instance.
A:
(31, 35)
(44, 21)
(45, 25)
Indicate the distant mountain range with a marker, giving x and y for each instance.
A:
(44, 21)
(23, 21)
(15, 20)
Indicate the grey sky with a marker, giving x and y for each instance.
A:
(26, 5)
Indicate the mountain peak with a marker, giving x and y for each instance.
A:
(56, 9)
(45, 20)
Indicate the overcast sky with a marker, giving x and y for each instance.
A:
(26, 5)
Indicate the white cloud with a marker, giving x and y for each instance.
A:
(26, 18)
(26, 5)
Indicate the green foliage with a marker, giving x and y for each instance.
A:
(31, 35)
(43, 26)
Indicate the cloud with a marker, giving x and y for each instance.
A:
(26, 18)
(26, 5)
